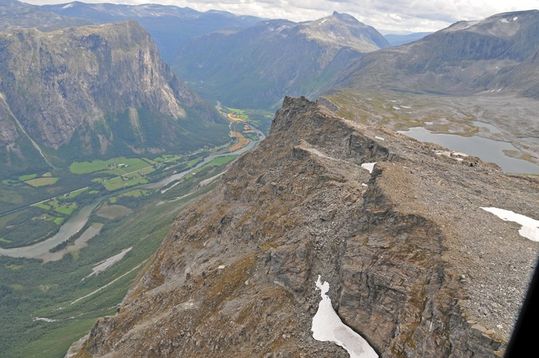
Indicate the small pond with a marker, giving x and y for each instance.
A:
(488, 150)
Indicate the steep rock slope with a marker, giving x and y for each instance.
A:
(493, 55)
(96, 90)
(256, 67)
(413, 263)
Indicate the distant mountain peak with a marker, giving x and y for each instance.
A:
(344, 30)
(345, 17)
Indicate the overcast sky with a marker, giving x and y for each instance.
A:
(399, 16)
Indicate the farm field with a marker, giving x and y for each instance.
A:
(30, 286)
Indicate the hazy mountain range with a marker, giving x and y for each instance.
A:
(257, 66)
(16, 14)
(495, 55)
(169, 26)
(397, 40)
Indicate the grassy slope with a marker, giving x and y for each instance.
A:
(34, 289)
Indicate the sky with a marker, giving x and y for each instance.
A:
(388, 16)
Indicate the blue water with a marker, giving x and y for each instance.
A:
(488, 150)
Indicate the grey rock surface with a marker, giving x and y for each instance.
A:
(414, 265)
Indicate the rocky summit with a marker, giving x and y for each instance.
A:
(394, 226)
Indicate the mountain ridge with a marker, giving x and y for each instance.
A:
(465, 58)
(169, 25)
(16, 14)
(237, 273)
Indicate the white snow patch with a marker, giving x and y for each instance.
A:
(504, 21)
(406, 107)
(43, 319)
(189, 305)
(368, 166)
(221, 267)
(396, 108)
(364, 185)
(328, 327)
(530, 227)
(67, 6)
(379, 138)
(515, 18)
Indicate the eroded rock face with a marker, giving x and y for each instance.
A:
(414, 264)
(96, 90)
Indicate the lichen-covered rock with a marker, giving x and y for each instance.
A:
(415, 266)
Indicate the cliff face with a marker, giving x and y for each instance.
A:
(413, 263)
(96, 90)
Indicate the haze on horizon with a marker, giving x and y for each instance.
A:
(388, 16)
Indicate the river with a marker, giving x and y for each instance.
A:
(78, 221)
(175, 177)
(71, 227)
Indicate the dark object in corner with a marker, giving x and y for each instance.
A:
(524, 339)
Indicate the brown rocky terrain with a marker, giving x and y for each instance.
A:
(413, 263)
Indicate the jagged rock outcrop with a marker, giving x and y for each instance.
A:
(414, 264)
(98, 90)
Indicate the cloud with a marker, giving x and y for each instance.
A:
(386, 15)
